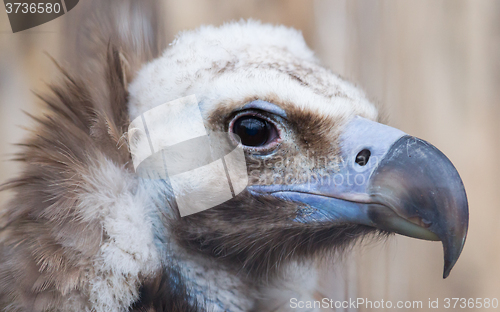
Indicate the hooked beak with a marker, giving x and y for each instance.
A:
(391, 181)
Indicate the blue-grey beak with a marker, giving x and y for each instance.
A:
(388, 180)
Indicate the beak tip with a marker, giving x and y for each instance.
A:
(447, 268)
(451, 254)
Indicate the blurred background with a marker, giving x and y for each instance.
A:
(433, 66)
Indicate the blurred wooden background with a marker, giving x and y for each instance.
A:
(432, 65)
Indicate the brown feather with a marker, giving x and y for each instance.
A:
(46, 244)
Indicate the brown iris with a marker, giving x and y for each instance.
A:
(254, 131)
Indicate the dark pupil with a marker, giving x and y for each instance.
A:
(252, 131)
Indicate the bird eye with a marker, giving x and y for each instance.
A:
(254, 131)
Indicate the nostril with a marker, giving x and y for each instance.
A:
(363, 157)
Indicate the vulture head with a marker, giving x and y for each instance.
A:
(321, 170)
(84, 232)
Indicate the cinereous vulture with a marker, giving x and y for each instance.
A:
(84, 232)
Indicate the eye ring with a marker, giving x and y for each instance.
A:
(255, 118)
